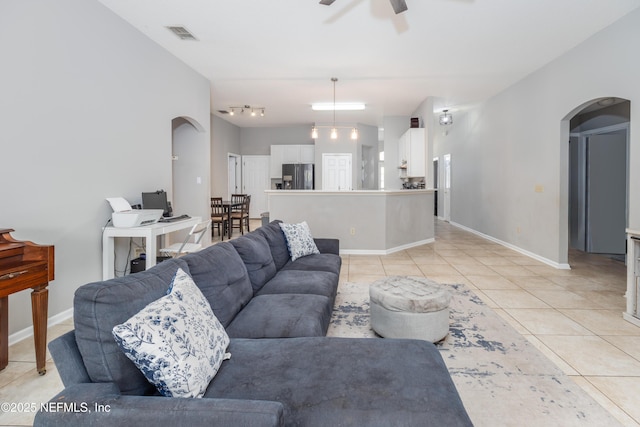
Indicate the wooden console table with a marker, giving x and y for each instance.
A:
(24, 265)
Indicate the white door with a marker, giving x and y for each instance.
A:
(336, 172)
(255, 180)
(446, 186)
(234, 175)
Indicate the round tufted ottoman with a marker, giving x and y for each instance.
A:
(409, 307)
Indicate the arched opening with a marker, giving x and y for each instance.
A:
(598, 178)
(190, 168)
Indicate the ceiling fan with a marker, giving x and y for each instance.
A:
(399, 6)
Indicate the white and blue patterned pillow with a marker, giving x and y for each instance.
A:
(176, 341)
(299, 240)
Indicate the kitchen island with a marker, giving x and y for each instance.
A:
(366, 221)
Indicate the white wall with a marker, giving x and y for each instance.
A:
(225, 139)
(85, 113)
(258, 141)
(394, 127)
(517, 140)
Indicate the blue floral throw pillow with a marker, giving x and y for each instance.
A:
(299, 240)
(176, 341)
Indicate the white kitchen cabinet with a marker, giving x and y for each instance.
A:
(411, 153)
(307, 153)
(277, 152)
(282, 154)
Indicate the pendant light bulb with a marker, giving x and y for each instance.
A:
(314, 133)
(334, 133)
(354, 133)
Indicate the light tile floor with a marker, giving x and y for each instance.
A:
(572, 316)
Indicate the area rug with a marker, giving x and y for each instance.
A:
(502, 379)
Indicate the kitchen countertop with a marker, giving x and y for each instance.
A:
(353, 192)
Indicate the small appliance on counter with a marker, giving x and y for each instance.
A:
(413, 185)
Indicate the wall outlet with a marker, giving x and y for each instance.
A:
(352, 231)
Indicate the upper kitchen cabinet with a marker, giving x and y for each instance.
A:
(411, 153)
(283, 154)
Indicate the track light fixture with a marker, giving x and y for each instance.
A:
(248, 108)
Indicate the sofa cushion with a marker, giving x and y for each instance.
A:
(176, 341)
(256, 255)
(302, 282)
(317, 262)
(99, 306)
(222, 277)
(299, 240)
(283, 316)
(344, 381)
(277, 242)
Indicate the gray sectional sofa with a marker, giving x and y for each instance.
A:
(283, 370)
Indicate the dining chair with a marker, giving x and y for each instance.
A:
(218, 217)
(241, 216)
(237, 199)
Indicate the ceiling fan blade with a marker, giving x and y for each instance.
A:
(326, 2)
(399, 6)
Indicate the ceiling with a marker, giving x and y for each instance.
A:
(282, 54)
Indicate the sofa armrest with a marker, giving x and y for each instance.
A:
(102, 404)
(328, 246)
(68, 359)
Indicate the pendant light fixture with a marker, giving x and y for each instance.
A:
(327, 106)
(334, 131)
(446, 118)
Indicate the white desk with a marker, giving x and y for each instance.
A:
(150, 234)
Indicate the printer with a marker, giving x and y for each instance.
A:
(124, 216)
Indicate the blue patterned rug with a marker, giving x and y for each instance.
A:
(502, 378)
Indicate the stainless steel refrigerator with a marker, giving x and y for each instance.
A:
(297, 176)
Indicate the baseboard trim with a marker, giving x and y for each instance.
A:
(559, 266)
(28, 332)
(385, 251)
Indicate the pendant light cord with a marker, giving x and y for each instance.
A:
(334, 80)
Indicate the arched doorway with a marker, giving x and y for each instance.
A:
(598, 178)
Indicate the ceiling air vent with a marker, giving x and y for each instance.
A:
(182, 33)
